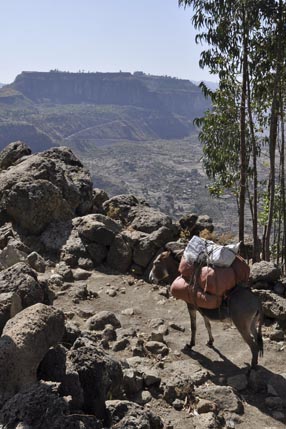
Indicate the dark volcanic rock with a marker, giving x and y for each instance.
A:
(45, 187)
(12, 153)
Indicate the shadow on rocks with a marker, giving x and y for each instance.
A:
(260, 387)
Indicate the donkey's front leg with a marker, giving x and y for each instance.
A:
(193, 318)
(209, 329)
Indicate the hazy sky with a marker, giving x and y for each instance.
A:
(154, 36)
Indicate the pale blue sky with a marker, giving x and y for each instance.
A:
(154, 36)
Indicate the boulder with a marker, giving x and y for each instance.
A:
(35, 204)
(99, 196)
(98, 228)
(120, 253)
(11, 255)
(37, 262)
(223, 396)
(264, 272)
(147, 219)
(100, 376)
(119, 207)
(41, 407)
(56, 236)
(273, 305)
(25, 340)
(10, 304)
(12, 153)
(45, 187)
(23, 280)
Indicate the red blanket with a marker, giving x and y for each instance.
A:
(212, 283)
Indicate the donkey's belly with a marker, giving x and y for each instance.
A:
(221, 313)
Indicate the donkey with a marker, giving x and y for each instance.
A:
(243, 307)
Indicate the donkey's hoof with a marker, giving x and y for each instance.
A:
(189, 345)
(210, 343)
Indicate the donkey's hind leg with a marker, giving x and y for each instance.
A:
(249, 335)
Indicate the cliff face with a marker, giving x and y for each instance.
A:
(124, 89)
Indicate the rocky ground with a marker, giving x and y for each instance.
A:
(181, 376)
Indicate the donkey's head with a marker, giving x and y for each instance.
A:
(164, 267)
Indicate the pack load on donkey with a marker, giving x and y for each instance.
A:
(208, 272)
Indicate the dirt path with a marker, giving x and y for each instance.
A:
(229, 357)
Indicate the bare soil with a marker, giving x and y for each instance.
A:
(229, 357)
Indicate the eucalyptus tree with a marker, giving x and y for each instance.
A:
(244, 48)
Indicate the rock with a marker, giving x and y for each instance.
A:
(132, 381)
(206, 406)
(206, 421)
(144, 251)
(121, 345)
(23, 280)
(126, 414)
(119, 207)
(120, 254)
(64, 271)
(97, 252)
(163, 235)
(37, 262)
(99, 196)
(33, 205)
(39, 406)
(151, 377)
(80, 274)
(178, 404)
(45, 187)
(277, 335)
(10, 304)
(101, 319)
(99, 376)
(12, 153)
(156, 347)
(73, 249)
(264, 271)
(273, 306)
(98, 228)
(11, 255)
(188, 222)
(25, 340)
(6, 233)
(177, 387)
(147, 219)
(53, 365)
(56, 235)
(223, 396)
(109, 333)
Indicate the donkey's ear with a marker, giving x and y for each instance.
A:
(166, 253)
(178, 253)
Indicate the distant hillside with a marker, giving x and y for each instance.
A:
(123, 89)
(87, 109)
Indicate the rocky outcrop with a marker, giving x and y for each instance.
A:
(45, 187)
